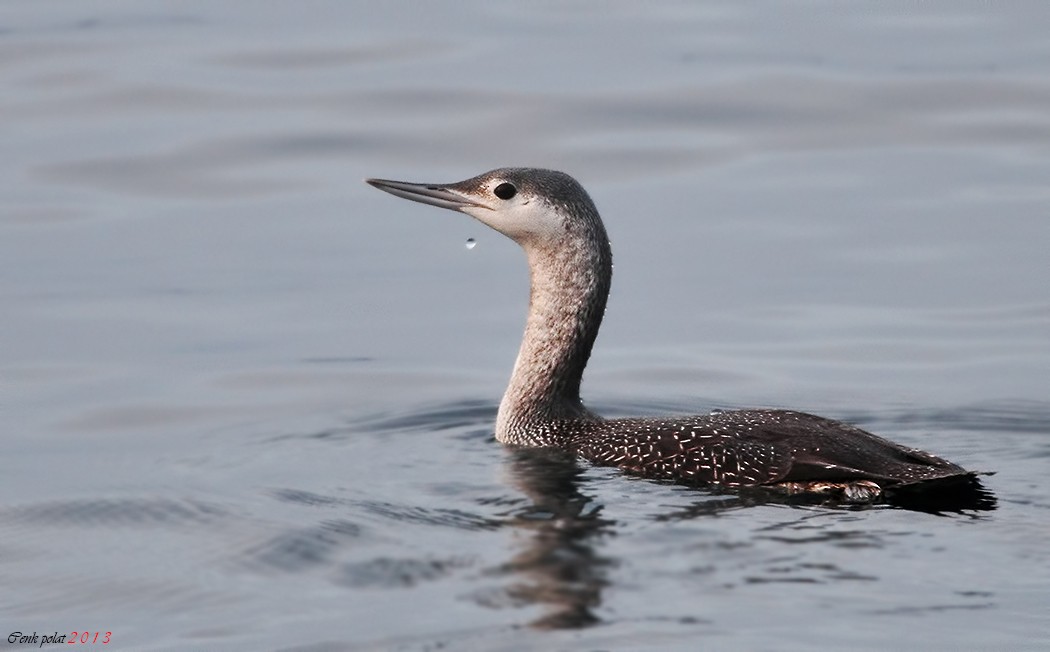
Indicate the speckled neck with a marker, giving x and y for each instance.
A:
(570, 283)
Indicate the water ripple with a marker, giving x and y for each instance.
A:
(453, 518)
(386, 572)
(448, 416)
(301, 549)
(109, 512)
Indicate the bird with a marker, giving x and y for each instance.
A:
(554, 220)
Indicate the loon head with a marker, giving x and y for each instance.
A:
(532, 206)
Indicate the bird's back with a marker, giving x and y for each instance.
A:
(754, 447)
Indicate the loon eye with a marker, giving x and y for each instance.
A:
(505, 191)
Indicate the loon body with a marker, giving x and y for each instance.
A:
(570, 261)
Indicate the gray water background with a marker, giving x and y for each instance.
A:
(246, 401)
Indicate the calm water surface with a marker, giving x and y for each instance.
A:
(247, 401)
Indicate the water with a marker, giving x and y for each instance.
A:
(246, 405)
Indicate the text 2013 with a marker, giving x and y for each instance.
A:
(90, 637)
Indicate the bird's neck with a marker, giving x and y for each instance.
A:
(569, 289)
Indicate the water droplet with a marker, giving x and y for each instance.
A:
(471, 243)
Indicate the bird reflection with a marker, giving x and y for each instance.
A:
(557, 564)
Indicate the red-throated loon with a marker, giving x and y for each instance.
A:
(554, 220)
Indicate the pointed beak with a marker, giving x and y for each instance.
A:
(441, 195)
